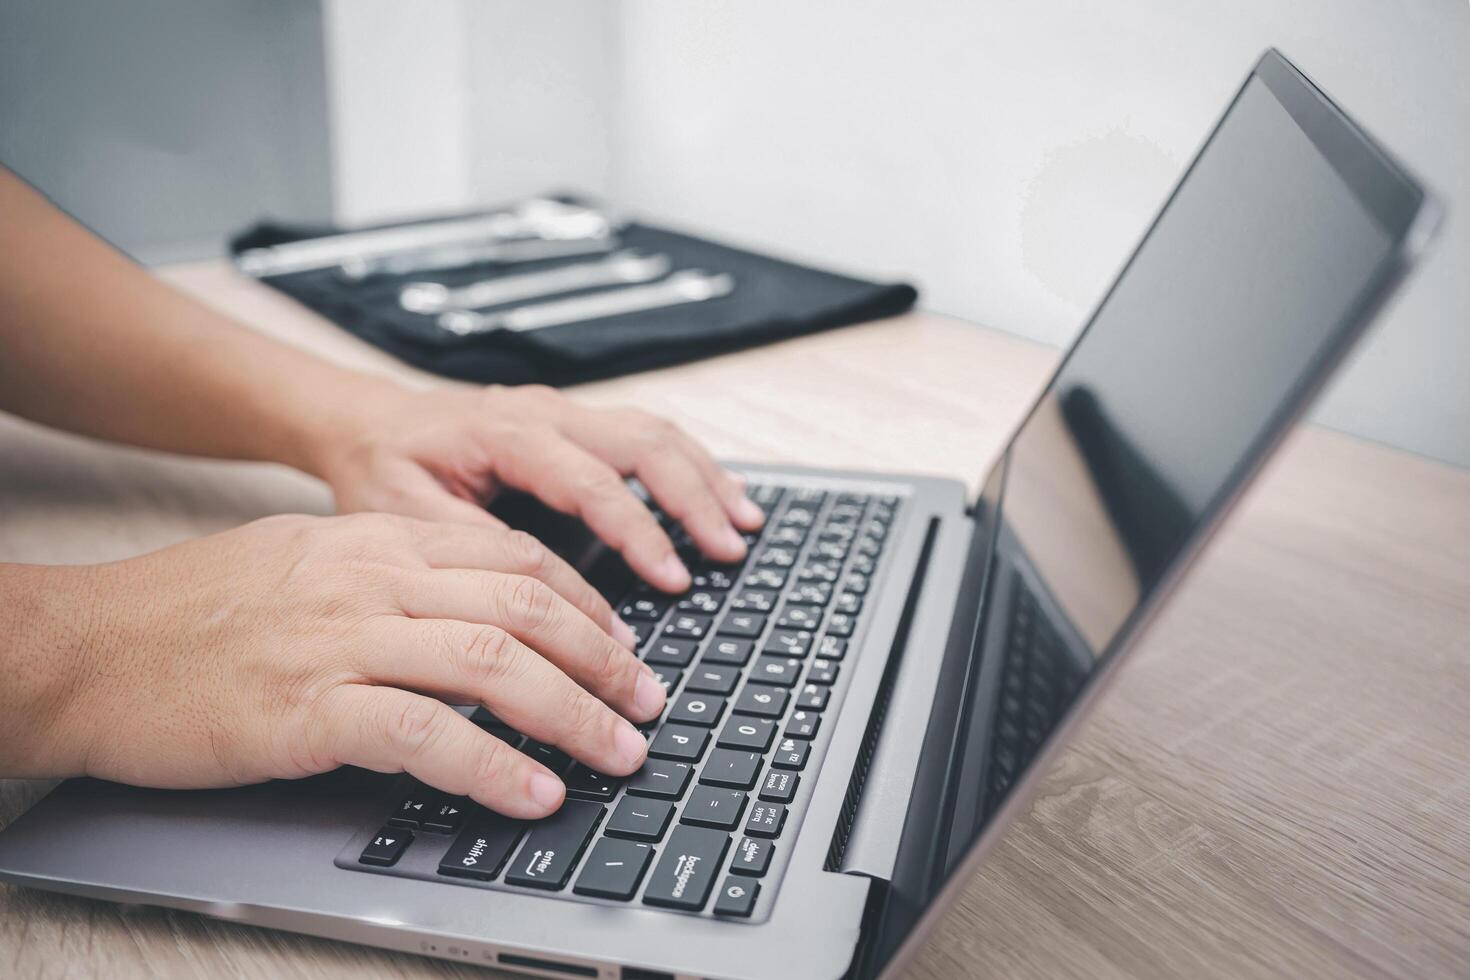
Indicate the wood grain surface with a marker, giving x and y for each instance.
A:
(1277, 785)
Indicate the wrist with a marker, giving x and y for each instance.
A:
(52, 620)
(330, 421)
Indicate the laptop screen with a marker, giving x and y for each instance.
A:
(1254, 276)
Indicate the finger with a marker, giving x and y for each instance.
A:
(728, 486)
(388, 730)
(662, 456)
(415, 493)
(570, 479)
(681, 490)
(533, 613)
(475, 663)
(518, 553)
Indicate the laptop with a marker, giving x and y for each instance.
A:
(858, 710)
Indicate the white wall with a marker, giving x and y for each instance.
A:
(1006, 156)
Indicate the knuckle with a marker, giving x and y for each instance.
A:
(532, 603)
(585, 715)
(614, 665)
(411, 725)
(526, 553)
(494, 763)
(487, 655)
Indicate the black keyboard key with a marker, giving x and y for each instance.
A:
(553, 846)
(412, 809)
(838, 532)
(704, 710)
(780, 671)
(731, 768)
(799, 516)
(791, 754)
(809, 497)
(660, 779)
(788, 643)
(765, 820)
(549, 756)
(800, 617)
(775, 556)
(723, 650)
(779, 787)
(498, 728)
(737, 898)
(667, 677)
(862, 565)
(802, 724)
(766, 578)
(715, 579)
(813, 697)
(870, 546)
(832, 648)
(685, 875)
(857, 583)
(713, 679)
(788, 537)
(819, 571)
(841, 624)
(876, 529)
(387, 847)
(823, 672)
(679, 742)
(810, 594)
(849, 603)
(445, 816)
(481, 848)
(830, 550)
(690, 626)
(643, 630)
(647, 607)
(670, 652)
(614, 869)
(711, 806)
(752, 857)
(589, 784)
(702, 601)
(754, 600)
(745, 624)
(640, 819)
(762, 700)
(752, 734)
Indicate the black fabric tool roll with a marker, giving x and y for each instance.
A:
(772, 300)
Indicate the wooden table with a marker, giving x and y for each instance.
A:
(1276, 787)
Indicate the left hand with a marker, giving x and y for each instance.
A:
(442, 455)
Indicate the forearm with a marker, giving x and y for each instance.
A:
(94, 344)
(48, 622)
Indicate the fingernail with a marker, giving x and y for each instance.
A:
(630, 745)
(748, 512)
(623, 633)
(648, 695)
(732, 541)
(673, 572)
(546, 790)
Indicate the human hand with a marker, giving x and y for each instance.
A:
(295, 645)
(442, 455)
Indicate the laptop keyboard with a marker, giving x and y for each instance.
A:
(753, 660)
(1037, 684)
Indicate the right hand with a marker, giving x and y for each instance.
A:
(295, 645)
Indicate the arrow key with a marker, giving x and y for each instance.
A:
(386, 847)
(445, 816)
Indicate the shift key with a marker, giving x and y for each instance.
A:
(553, 846)
(686, 871)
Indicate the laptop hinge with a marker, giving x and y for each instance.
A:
(865, 840)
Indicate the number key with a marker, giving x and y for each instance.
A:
(762, 701)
